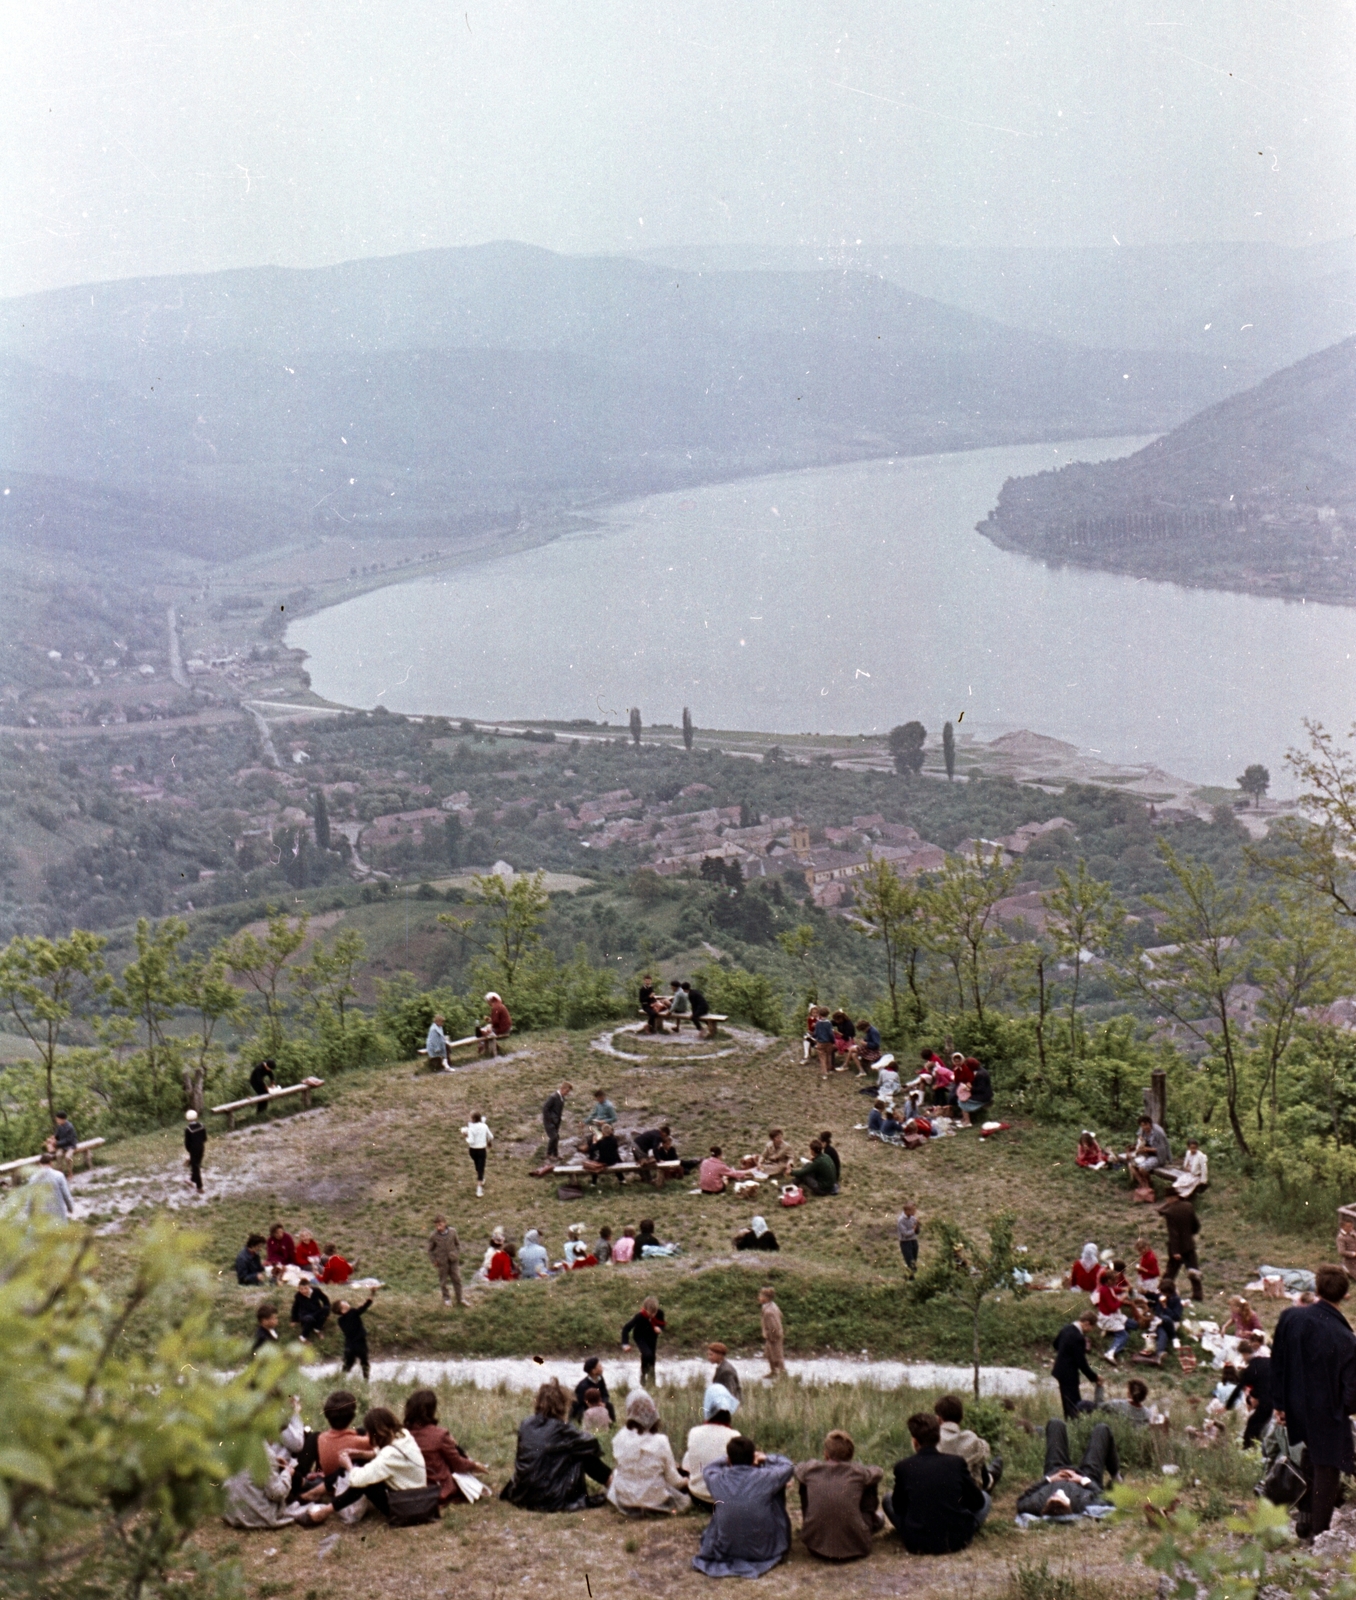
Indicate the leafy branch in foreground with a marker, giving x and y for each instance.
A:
(119, 1427)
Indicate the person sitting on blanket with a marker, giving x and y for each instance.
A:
(1066, 1491)
(1091, 1155)
(868, 1042)
(777, 1155)
(891, 1127)
(875, 1120)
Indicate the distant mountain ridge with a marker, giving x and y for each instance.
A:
(1256, 493)
(261, 405)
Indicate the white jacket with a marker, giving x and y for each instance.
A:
(646, 1476)
(707, 1442)
(478, 1135)
(399, 1464)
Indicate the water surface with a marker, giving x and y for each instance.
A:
(843, 600)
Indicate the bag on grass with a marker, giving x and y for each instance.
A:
(792, 1195)
(410, 1507)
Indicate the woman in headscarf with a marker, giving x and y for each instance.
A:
(533, 1261)
(554, 1458)
(1084, 1273)
(757, 1236)
(708, 1441)
(646, 1476)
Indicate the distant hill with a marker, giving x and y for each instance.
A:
(234, 410)
(1265, 305)
(1256, 493)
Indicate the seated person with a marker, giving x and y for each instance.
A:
(310, 1311)
(875, 1120)
(868, 1043)
(533, 1261)
(958, 1441)
(1151, 1152)
(646, 1477)
(749, 1531)
(935, 1506)
(777, 1155)
(887, 1078)
(1064, 1491)
(306, 1252)
(708, 1441)
(496, 1244)
(392, 1460)
(333, 1267)
(576, 1251)
(819, 1176)
(714, 1174)
(280, 1248)
(498, 1024)
(1111, 1316)
(442, 1454)
(1132, 1407)
(891, 1127)
(648, 1242)
(979, 1098)
(1242, 1320)
(1091, 1155)
(249, 1264)
(554, 1458)
(624, 1250)
(503, 1268)
(340, 1408)
(757, 1236)
(1146, 1270)
(680, 1006)
(270, 1504)
(602, 1246)
(1085, 1272)
(839, 1502)
(1195, 1170)
(1170, 1314)
(603, 1151)
(596, 1418)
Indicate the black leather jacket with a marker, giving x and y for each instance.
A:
(552, 1461)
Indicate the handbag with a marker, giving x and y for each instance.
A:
(409, 1507)
(792, 1196)
(1282, 1483)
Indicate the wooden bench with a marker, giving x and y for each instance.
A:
(303, 1089)
(669, 1168)
(473, 1038)
(86, 1148)
(711, 1020)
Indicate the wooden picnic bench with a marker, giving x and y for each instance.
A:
(708, 1022)
(86, 1148)
(473, 1038)
(670, 1168)
(303, 1089)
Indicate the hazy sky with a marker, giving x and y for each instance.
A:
(153, 136)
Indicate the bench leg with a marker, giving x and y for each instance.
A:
(230, 1122)
(306, 1099)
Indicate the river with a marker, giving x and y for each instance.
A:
(845, 600)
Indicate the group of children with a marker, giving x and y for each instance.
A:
(286, 1259)
(1150, 1304)
(505, 1261)
(839, 1043)
(310, 1316)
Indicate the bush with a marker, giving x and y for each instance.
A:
(751, 996)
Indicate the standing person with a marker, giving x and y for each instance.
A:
(1071, 1360)
(1179, 1214)
(195, 1142)
(435, 1046)
(262, 1078)
(723, 1371)
(1255, 1381)
(936, 1507)
(699, 1003)
(496, 1026)
(552, 1114)
(822, 1034)
(652, 1022)
(354, 1330)
(1313, 1385)
(49, 1191)
(444, 1251)
(749, 1531)
(906, 1226)
(66, 1140)
(478, 1141)
(774, 1338)
(644, 1328)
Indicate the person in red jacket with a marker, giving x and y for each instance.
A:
(496, 1026)
(442, 1454)
(334, 1268)
(1084, 1273)
(281, 1249)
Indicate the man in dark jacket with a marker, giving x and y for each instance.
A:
(700, 1004)
(1313, 1385)
(644, 1329)
(195, 1142)
(936, 1506)
(593, 1379)
(1071, 1359)
(310, 1312)
(551, 1114)
(1183, 1225)
(820, 1176)
(554, 1458)
(1066, 1490)
(354, 1330)
(249, 1264)
(652, 1022)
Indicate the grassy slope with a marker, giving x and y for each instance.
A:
(373, 1167)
